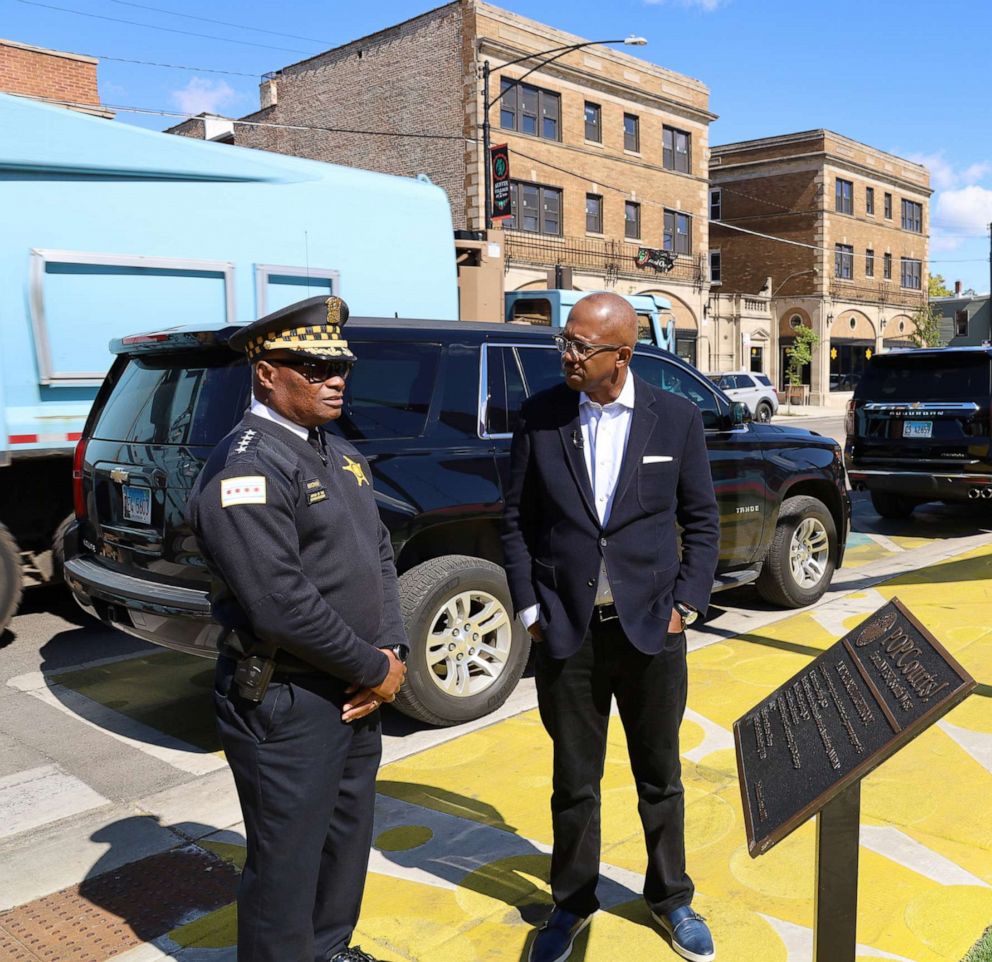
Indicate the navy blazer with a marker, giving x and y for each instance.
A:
(552, 539)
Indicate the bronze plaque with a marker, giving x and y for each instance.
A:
(843, 715)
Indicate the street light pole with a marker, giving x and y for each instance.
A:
(488, 104)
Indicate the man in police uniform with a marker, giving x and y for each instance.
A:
(304, 581)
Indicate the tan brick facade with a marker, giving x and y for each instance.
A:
(50, 75)
(424, 76)
(787, 187)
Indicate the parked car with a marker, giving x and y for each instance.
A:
(432, 405)
(918, 428)
(754, 390)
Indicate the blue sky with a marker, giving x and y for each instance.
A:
(906, 76)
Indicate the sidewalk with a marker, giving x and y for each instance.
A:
(460, 864)
(785, 413)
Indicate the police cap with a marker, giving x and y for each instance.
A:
(310, 328)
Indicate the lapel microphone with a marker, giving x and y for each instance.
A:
(577, 439)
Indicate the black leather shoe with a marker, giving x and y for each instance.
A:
(354, 954)
(554, 939)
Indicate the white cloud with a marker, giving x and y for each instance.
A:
(708, 6)
(204, 96)
(966, 211)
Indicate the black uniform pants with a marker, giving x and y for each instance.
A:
(306, 782)
(574, 697)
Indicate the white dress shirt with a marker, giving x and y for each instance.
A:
(261, 410)
(605, 429)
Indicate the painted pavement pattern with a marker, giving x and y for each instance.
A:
(459, 870)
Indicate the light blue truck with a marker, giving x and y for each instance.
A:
(109, 229)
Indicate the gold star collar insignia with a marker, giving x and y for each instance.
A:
(356, 469)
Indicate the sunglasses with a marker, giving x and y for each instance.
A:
(315, 371)
(581, 349)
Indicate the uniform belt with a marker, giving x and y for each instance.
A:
(285, 664)
(603, 613)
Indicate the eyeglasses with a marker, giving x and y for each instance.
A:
(581, 349)
(315, 371)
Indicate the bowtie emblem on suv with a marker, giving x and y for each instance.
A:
(355, 468)
(119, 475)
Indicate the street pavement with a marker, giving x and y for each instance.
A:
(120, 833)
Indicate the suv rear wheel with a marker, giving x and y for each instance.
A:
(467, 651)
(800, 559)
(11, 577)
(890, 505)
(763, 412)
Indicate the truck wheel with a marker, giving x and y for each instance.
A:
(890, 505)
(11, 578)
(800, 559)
(58, 549)
(467, 651)
(763, 412)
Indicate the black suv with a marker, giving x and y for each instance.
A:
(918, 428)
(432, 406)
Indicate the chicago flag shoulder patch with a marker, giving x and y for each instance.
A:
(246, 490)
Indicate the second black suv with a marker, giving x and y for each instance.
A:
(432, 406)
(918, 428)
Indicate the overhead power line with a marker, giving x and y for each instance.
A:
(152, 26)
(177, 66)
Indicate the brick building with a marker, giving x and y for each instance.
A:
(855, 267)
(52, 75)
(608, 153)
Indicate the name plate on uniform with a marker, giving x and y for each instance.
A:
(844, 714)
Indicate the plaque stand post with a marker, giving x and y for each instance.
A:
(835, 924)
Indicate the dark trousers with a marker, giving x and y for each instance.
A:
(306, 782)
(574, 698)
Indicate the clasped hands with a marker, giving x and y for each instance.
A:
(364, 701)
(675, 626)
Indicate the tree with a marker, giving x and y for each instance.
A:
(927, 322)
(799, 355)
(937, 286)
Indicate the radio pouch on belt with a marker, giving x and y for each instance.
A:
(254, 671)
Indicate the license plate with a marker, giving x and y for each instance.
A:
(917, 429)
(137, 504)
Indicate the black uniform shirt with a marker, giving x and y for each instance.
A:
(302, 558)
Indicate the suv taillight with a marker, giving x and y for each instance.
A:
(78, 496)
(849, 418)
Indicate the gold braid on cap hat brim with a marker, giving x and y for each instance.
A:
(319, 340)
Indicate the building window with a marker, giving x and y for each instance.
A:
(715, 267)
(795, 322)
(961, 323)
(870, 201)
(887, 206)
(911, 273)
(869, 263)
(529, 110)
(912, 216)
(594, 213)
(676, 151)
(535, 209)
(631, 220)
(716, 204)
(631, 133)
(844, 196)
(678, 232)
(843, 261)
(594, 122)
(887, 266)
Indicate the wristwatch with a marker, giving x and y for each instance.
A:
(401, 651)
(687, 612)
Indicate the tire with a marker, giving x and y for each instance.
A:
(58, 550)
(442, 688)
(890, 505)
(800, 560)
(763, 412)
(11, 577)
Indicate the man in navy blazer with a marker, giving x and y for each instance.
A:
(605, 468)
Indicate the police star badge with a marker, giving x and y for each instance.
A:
(353, 467)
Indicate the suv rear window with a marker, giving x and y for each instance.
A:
(175, 399)
(922, 377)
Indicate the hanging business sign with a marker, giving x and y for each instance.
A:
(661, 261)
(499, 159)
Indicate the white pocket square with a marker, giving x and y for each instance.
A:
(655, 458)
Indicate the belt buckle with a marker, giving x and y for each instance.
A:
(607, 612)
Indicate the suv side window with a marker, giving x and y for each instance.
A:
(670, 377)
(389, 391)
(512, 375)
